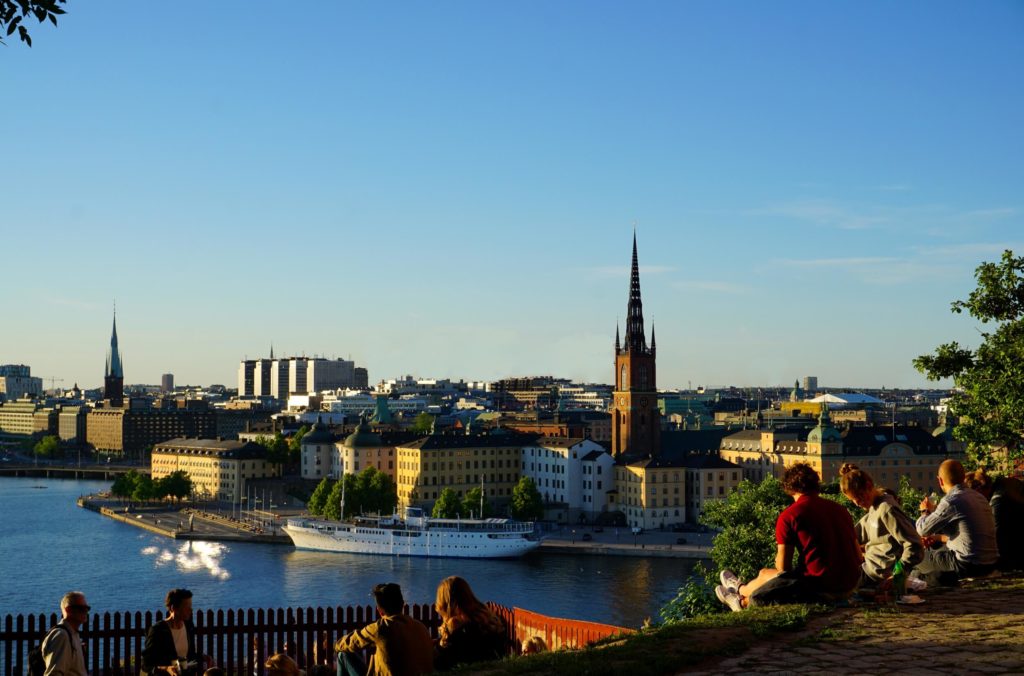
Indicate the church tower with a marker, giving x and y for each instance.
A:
(113, 378)
(636, 420)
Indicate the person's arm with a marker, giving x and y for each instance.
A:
(938, 521)
(153, 651)
(357, 640)
(784, 558)
(899, 525)
(58, 653)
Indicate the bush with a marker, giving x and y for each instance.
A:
(696, 597)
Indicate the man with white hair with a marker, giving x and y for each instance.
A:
(62, 647)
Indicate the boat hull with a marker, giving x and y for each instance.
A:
(425, 543)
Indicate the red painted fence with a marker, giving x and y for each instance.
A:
(241, 640)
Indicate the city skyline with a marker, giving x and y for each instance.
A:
(451, 191)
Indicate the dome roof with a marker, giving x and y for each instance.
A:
(318, 434)
(363, 437)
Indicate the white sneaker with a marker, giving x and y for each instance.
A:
(729, 598)
(729, 581)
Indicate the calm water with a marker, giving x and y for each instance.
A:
(48, 545)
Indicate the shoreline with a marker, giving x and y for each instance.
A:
(171, 522)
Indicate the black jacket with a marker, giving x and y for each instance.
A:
(159, 650)
(471, 643)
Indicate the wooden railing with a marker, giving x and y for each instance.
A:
(241, 640)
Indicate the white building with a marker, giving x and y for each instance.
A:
(280, 378)
(564, 479)
(16, 381)
(319, 457)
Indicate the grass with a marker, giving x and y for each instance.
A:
(661, 650)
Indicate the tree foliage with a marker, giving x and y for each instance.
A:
(746, 521)
(448, 505)
(318, 500)
(423, 423)
(177, 485)
(369, 492)
(527, 504)
(14, 12)
(295, 445)
(471, 504)
(47, 446)
(136, 487)
(989, 396)
(277, 448)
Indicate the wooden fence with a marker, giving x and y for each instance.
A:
(241, 640)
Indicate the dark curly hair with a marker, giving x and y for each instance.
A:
(175, 597)
(801, 478)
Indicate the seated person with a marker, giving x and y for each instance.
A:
(282, 664)
(470, 631)
(403, 644)
(962, 528)
(885, 532)
(170, 648)
(1006, 497)
(821, 532)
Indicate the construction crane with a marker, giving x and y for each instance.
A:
(53, 381)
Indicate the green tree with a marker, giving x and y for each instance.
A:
(989, 395)
(423, 423)
(14, 12)
(448, 505)
(277, 448)
(295, 445)
(746, 521)
(177, 485)
(527, 504)
(332, 508)
(124, 485)
(318, 500)
(382, 493)
(47, 446)
(144, 489)
(471, 505)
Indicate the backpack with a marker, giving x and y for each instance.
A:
(36, 663)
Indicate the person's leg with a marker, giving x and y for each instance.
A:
(786, 587)
(351, 664)
(745, 590)
(939, 567)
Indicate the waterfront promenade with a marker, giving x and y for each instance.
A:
(225, 526)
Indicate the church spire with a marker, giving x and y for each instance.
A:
(654, 343)
(617, 345)
(114, 367)
(635, 339)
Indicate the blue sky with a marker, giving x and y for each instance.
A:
(450, 189)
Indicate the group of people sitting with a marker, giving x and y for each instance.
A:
(402, 646)
(971, 532)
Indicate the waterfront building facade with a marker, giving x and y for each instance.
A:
(461, 462)
(280, 378)
(219, 469)
(130, 431)
(18, 418)
(556, 466)
(887, 452)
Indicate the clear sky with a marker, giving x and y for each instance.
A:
(450, 188)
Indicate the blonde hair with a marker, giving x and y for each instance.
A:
(458, 605)
(534, 645)
(282, 665)
(855, 481)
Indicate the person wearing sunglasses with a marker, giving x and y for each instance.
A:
(62, 647)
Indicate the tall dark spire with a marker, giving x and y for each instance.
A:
(654, 343)
(635, 339)
(617, 344)
(114, 367)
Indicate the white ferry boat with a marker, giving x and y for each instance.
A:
(415, 535)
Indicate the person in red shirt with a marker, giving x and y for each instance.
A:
(821, 532)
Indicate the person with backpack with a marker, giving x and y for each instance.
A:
(62, 648)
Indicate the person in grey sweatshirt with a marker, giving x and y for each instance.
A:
(885, 532)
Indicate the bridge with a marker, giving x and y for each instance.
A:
(68, 471)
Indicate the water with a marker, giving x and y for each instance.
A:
(48, 545)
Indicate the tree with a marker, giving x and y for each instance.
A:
(527, 504)
(318, 500)
(124, 485)
(471, 505)
(448, 505)
(13, 13)
(177, 485)
(295, 445)
(277, 448)
(144, 489)
(423, 423)
(47, 446)
(989, 396)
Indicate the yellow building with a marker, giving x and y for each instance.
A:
(886, 452)
(651, 492)
(218, 469)
(428, 465)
